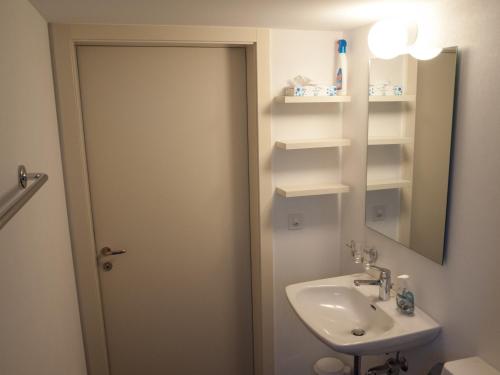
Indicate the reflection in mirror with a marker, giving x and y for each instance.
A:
(409, 149)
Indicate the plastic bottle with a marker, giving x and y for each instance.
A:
(342, 67)
(405, 299)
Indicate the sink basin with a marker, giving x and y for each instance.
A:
(340, 310)
(354, 321)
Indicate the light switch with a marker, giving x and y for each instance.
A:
(379, 213)
(295, 221)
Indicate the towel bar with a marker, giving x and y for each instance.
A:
(12, 207)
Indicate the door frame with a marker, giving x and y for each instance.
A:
(64, 40)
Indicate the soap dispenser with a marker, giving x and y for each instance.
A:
(405, 299)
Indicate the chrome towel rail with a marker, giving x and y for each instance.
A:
(27, 192)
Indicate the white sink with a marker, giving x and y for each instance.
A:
(333, 308)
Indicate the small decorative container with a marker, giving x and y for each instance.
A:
(405, 299)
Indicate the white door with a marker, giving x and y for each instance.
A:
(166, 142)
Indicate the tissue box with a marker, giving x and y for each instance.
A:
(316, 90)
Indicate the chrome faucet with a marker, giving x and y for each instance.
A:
(384, 282)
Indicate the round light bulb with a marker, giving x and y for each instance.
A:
(388, 38)
(424, 47)
(421, 52)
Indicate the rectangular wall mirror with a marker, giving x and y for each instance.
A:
(409, 149)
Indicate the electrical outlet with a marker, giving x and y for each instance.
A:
(295, 221)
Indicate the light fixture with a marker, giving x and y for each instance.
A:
(388, 38)
(392, 37)
(425, 47)
(421, 52)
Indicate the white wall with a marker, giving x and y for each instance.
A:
(463, 295)
(39, 320)
(313, 252)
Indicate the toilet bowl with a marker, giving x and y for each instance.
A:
(468, 366)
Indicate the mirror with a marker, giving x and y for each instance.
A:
(409, 149)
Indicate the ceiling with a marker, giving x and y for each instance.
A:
(294, 14)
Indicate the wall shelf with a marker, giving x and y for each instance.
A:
(302, 144)
(311, 190)
(313, 99)
(392, 98)
(387, 184)
(374, 141)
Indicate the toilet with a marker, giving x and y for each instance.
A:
(468, 366)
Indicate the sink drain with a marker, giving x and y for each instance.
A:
(358, 332)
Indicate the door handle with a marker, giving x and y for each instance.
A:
(106, 251)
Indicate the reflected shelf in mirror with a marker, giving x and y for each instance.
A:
(391, 98)
(387, 184)
(302, 144)
(377, 141)
(313, 99)
(311, 190)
